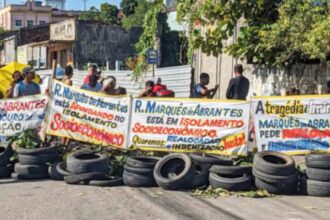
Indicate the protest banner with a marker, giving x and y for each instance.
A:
(190, 125)
(88, 116)
(294, 125)
(21, 114)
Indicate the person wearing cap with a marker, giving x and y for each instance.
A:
(27, 87)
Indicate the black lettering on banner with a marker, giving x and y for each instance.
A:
(172, 121)
(260, 108)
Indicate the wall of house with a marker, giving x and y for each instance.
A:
(101, 43)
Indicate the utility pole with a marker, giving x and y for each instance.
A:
(85, 2)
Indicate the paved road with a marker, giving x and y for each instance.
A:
(55, 200)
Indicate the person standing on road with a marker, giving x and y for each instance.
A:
(200, 89)
(26, 87)
(17, 76)
(93, 84)
(239, 86)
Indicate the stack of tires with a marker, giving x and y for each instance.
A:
(138, 171)
(6, 168)
(33, 163)
(318, 175)
(275, 172)
(231, 178)
(87, 167)
(183, 171)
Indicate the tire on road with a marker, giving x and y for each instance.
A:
(231, 170)
(201, 177)
(318, 188)
(280, 188)
(18, 176)
(38, 159)
(211, 159)
(138, 170)
(61, 169)
(318, 174)
(87, 162)
(85, 177)
(110, 182)
(6, 171)
(31, 169)
(142, 161)
(5, 154)
(242, 183)
(320, 161)
(184, 172)
(138, 180)
(53, 173)
(274, 163)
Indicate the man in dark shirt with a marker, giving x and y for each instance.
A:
(239, 86)
(200, 89)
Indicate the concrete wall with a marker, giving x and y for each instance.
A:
(98, 43)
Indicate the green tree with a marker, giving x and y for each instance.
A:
(109, 13)
(136, 19)
(91, 15)
(128, 6)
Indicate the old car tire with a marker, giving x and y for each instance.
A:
(142, 161)
(274, 178)
(31, 169)
(211, 159)
(110, 182)
(274, 163)
(137, 170)
(61, 169)
(321, 161)
(242, 183)
(231, 170)
(87, 162)
(318, 174)
(38, 159)
(184, 172)
(85, 177)
(53, 173)
(5, 154)
(138, 180)
(18, 176)
(6, 171)
(201, 177)
(318, 188)
(281, 187)
(36, 151)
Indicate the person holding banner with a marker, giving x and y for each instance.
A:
(93, 84)
(27, 87)
(239, 85)
(200, 89)
(68, 74)
(17, 77)
(92, 71)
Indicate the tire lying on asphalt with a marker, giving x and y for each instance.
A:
(31, 169)
(37, 151)
(37, 159)
(6, 171)
(87, 162)
(201, 177)
(142, 161)
(318, 188)
(5, 154)
(281, 187)
(274, 178)
(231, 170)
(138, 180)
(109, 181)
(274, 163)
(138, 170)
(85, 177)
(320, 161)
(53, 173)
(18, 176)
(240, 183)
(179, 164)
(211, 159)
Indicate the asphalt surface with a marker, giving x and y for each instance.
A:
(56, 200)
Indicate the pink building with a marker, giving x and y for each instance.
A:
(14, 16)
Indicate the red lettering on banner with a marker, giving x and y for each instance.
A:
(23, 106)
(227, 123)
(84, 129)
(305, 133)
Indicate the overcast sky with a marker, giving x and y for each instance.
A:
(76, 4)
